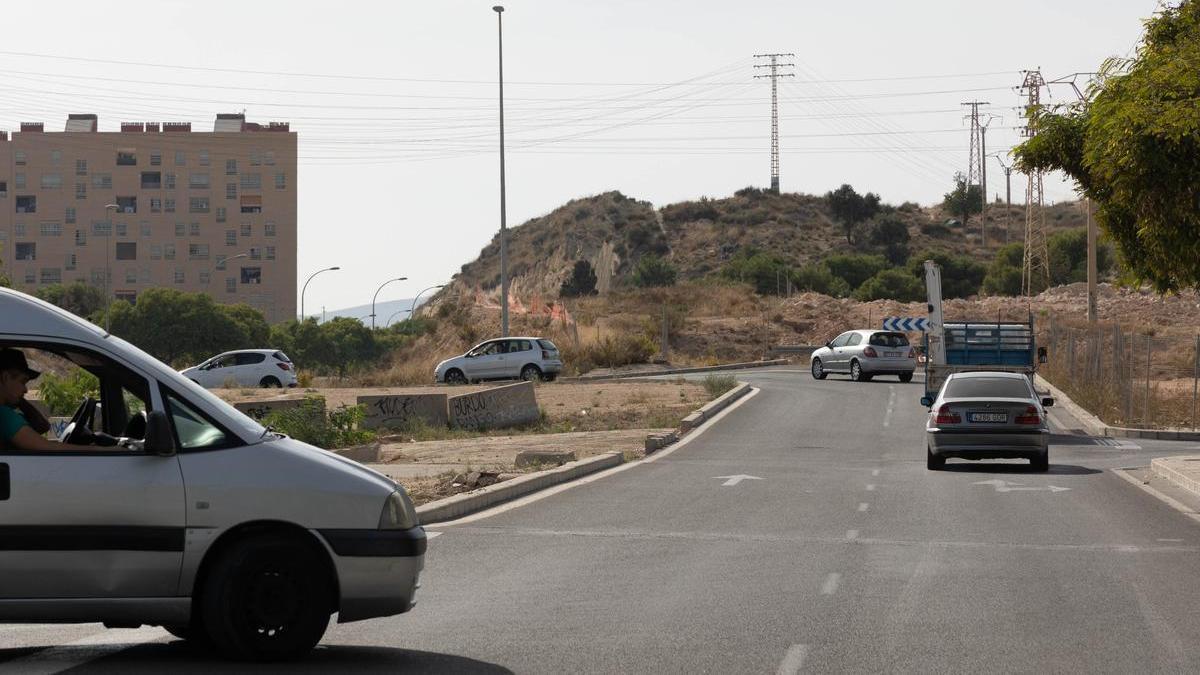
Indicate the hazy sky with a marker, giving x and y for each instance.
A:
(395, 102)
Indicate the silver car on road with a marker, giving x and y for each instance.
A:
(527, 358)
(987, 415)
(863, 354)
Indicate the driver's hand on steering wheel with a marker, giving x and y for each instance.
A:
(98, 438)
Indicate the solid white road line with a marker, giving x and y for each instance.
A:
(831, 583)
(542, 494)
(887, 416)
(1170, 501)
(863, 506)
(793, 660)
(432, 535)
(73, 654)
(874, 472)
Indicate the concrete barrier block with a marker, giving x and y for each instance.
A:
(655, 442)
(394, 410)
(532, 457)
(363, 454)
(506, 406)
(692, 421)
(260, 409)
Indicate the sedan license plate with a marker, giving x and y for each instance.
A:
(892, 355)
(987, 417)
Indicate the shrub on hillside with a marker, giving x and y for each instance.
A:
(891, 284)
(855, 269)
(652, 271)
(581, 282)
(936, 230)
(688, 212)
(608, 352)
(961, 275)
(1004, 274)
(817, 278)
(890, 236)
(763, 271)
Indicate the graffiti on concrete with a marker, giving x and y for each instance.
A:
(506, 406)
(396, 410)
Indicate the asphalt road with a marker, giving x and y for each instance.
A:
(845, 555)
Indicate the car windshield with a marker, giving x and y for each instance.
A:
(889, 340)
(987, 387)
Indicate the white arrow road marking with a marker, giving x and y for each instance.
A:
(72, 654)
(793, 660)
(1005, 486)
(734, 480)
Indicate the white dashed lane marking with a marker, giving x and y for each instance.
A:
(793, 660)
(863, 506)
(831, 583)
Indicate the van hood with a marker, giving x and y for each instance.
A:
(335, 462)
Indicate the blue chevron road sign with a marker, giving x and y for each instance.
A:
(905, 323)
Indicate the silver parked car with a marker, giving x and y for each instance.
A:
(528, 358)
(987, 415)
(863, 354)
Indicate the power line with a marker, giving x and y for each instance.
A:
(774, 64)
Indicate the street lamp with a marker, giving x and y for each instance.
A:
(108, 268)
(412, 311)
(389, 321)
(305, 288)
(503, 217)
(373, 298)
(224, 261)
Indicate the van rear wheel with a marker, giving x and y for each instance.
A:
(267, 599)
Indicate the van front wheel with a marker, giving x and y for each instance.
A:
(267, 599)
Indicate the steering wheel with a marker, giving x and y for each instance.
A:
(76, 432)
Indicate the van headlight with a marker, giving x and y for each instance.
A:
(398, 512)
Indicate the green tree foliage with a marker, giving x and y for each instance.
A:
(184, 328)
(311, 423)
(653, 271)
(64, 394)
(964, 200)
(581, 282)
(77, 298)
(1004, 274)
(337, 346)
(855, 269)
(1068, 256)
(1134, 149)
(817, 278)
(961, 275)
(891, 284)
(851, 209)
(890, 236)
(764, 271)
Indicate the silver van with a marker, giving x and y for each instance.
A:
(863, 354)
(200, 520)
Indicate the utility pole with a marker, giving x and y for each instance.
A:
(1036, 261)
(976, 170)
(503, 206)
(1092, 274)
(1007, 197)
(774, 65)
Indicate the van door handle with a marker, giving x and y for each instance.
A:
(5, 489)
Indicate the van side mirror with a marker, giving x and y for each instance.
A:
(1047, 402)
(159, 440)
(926, 401)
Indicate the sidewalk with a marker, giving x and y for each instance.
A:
(1181, 470)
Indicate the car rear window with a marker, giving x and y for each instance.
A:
(282, 357)
(987, 387)
(546, 344)
(889, 339)
(247, 359)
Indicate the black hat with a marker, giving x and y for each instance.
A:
(14, 359)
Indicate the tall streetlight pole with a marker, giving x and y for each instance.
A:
(394, 314)
(305, 288)
(373, 298)
(503, 216)
(108, 267)
(413, 309)
(225, 260)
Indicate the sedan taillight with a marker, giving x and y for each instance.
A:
(912, 353)
(870, 353)
(1030, 417)
(283, 366)
(947, 416)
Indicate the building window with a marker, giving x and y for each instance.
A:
(230, 167)
(19, 158)
(220, 214)
(231, 285)
(255, 253)
(26, 204)
(80, 238)
(251, 204)
(252, 275)
(198, 181)
(251, 181)
(168, 251)
(151, 180)
(19, 180)
(3, 188)
(30, 276)
(169, 181)
(155, 205)
(144, 275)
(69, 215)
(126, 296)
(270, 253)
(231, 191)
(56, 157)
(52, 181)
(99, 276)
(180, 159)
(205, 277)
(281, 181)
(26, 250)
(194, 229)
(101, 228)
(255, 157)
(126, 250)
(156, 158)
(231, 237)
(51, 275)
(146, 229)
(131, 275)
(51, 229)
(180, 229)
(19, 229)
(72, 261)
(269, 228)
(169, 205)
(178, 276)
(269, 158)
(102, 181)
(198, 205)
(81, 191)
(126, 158)
(203, 158)
(156, 252)
(246, 229)
(81, 167)
(121, 229)
(197, 251)
(127, 204)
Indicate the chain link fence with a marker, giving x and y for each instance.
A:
(1122, 374)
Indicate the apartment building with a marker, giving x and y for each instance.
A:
(153, 205)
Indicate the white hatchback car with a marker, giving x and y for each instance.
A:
(245, 368)
(200, 521)
(527, 358)
(863, 354)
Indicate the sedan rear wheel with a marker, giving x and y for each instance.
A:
(906, 377)
(933, 462)
(1040, 462)
(818, 370)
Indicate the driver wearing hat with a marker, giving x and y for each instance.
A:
(22, 426)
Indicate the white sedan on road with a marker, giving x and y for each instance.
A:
(245, 368)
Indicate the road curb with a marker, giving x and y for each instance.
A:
(464, 504)
(1097, 427)
(680, 371)
(710, 409)
(1162, 468)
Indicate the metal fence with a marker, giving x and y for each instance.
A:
(1123, 374)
